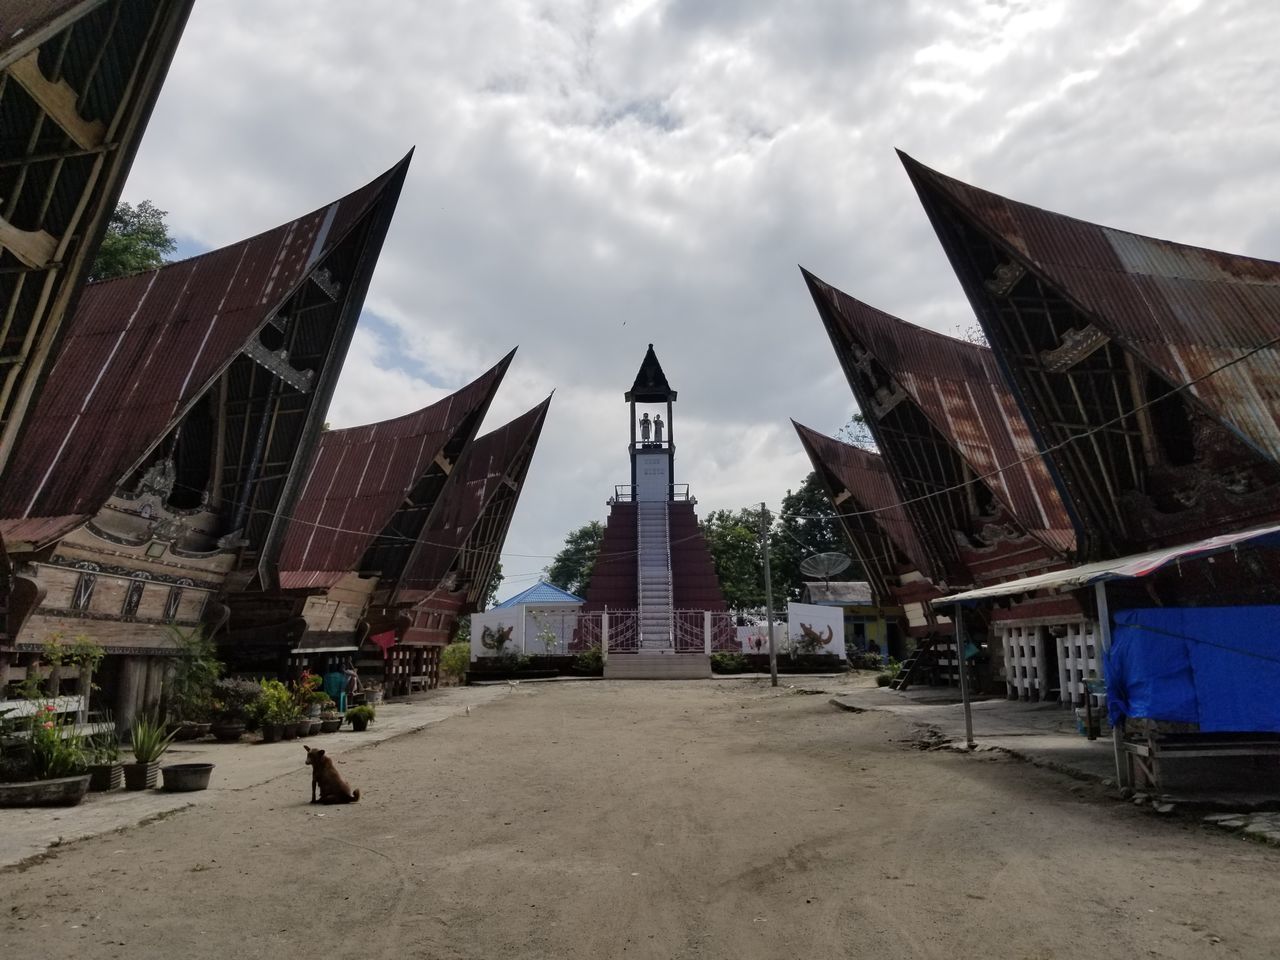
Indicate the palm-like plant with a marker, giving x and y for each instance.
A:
(150, 740)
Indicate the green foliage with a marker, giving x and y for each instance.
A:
(52, 748)
(195, 670)
(276, 704)
(363, 710)
(137, 239)
(149, 739)
(455, 659)
(235, 701)
(733, 539)
(884, 679)
(729, 663)
(857, 432)
(103, 747)
(572, 566)
(590, 660)
(806, 525)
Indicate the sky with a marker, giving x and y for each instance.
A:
(592, 177)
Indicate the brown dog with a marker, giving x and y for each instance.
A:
(326, 778)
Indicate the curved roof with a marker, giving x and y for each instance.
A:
(140, 350)
(361, 475)
(1183, 310)
(960, 390)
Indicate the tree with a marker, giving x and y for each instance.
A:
(807, 525)
(733, 539)
(572, 566)
(463, 632)
(857, 432)
(137, 239)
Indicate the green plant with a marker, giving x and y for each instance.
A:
(545, 635)
(196, 669)
(276, 704)
(728, 663)
(234, 701)
(590, 660)
(456, 659)
(884, 679)
(149, 739)
(364, 711)
(54, 748)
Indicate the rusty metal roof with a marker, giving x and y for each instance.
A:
(872, 489)
(36, 532)
(465, 534)
(26, 23)
(959, 388)
(361, 475)
(140, 350)
(1183, 310)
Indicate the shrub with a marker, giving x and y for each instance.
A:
(363, 710)
(590, 660)
(234, 701)
(456, 659)
(728, 663)
(884, 679)
(149, 740)
(275, 704)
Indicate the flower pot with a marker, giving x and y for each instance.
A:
(330, 726)
(141, 776)
(271, 732)
(202, 730)
(313, 711)
(105, 776)
(373, 696)
(316, 725)
(289, 731)
(186, 730)
(228, 732)
(63, 792)
(186, 777)
(359, 724)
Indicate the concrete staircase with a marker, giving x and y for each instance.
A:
(653, 537)
(657, 666)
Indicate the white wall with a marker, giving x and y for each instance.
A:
(653, 476)
(495, 620)
(818, 619)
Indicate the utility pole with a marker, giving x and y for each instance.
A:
(768, 596)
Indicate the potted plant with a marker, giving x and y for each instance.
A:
(372, 691)
(360, 717)
(150, 741)
(274, 709)
(232, 703)
(330, 718)
(189, 694)
(46, 766)
(105, 770)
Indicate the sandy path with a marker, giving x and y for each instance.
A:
(699, 820)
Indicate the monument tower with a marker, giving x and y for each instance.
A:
(655, 577)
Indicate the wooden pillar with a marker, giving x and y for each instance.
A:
(129, 695)
(84, 687)
(6, 659)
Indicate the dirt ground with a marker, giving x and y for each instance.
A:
(650, 820)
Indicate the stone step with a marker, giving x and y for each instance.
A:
(664, 666)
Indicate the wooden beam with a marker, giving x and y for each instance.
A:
(57, 100)
(35, 248)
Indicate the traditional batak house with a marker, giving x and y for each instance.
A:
(966, 469)
(655, 574)
(77, 84)
(371, 494)
(876, 525)
(454, 564)
(1095, 328)
(161, 460)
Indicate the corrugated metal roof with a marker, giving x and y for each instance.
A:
(141, 349)
(959, 388)
(540, 592)
(472, 515)
(33, 533)
(867, 479)
(1184, 310)
(361, 475)
(840, 593)
(27, 22)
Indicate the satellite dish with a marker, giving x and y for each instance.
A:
(824, 565)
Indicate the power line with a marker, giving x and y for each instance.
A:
(1042, 453)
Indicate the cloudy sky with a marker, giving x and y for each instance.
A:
(593, 176)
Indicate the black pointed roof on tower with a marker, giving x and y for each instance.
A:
(651, 383)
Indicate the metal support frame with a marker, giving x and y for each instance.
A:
(1117, 729)
(958, 612)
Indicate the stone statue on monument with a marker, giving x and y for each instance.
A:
(657, 428)
(645, 427)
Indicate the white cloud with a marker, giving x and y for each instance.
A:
(590, 178)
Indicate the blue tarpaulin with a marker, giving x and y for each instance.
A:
(1218, 667)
